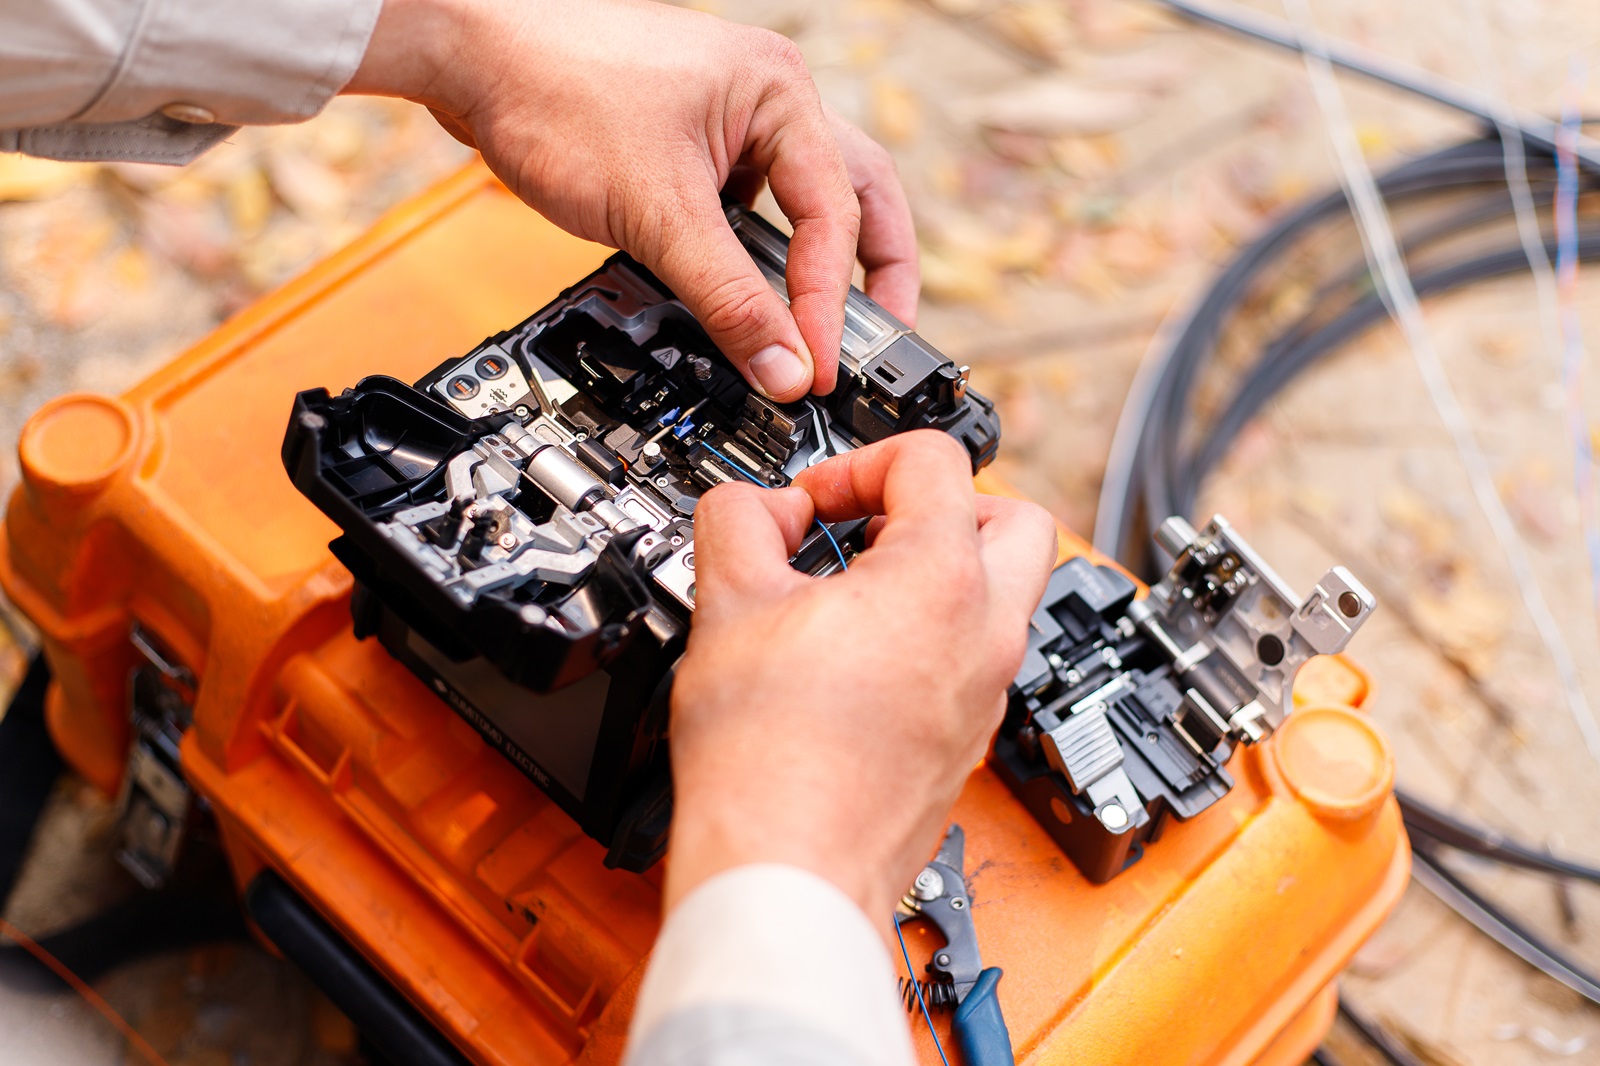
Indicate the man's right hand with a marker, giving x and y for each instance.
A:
(621, 120)
(829, 724)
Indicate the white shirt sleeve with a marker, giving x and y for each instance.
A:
(762, 961)
(110, 79)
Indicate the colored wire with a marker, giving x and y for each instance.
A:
(1563, 339)
(1400, 297)
(1571, 333)
(1171, 449)
(917, 988)
(748, 476)
(93, 998)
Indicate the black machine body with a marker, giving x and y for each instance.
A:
(520, 522)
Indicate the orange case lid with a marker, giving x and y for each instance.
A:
(329, 762)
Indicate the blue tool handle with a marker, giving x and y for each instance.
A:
(980, 1027)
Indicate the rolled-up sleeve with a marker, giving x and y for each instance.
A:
(110, 79)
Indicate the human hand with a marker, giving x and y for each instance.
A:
(829, 724)
(620, 120)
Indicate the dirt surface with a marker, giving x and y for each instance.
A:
(1077, 170)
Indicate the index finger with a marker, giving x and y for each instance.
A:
(791, 142)
(920, 481)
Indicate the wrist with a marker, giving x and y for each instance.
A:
(416, 49)
(704, 846)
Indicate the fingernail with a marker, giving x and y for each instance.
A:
(778, 370)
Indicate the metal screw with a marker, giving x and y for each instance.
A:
(651, 449)
(928, 885)
(943, 959)
(958, 904)
(676, 542)
(521, 410)
(507, 541)
(1113, 817)
(663, 481)
(581, 435)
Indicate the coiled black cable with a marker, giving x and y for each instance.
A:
(1443, 204)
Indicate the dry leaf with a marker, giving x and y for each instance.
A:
(958, 279)
(22, 177)
(963, 8)
(131, 267)
(1039, 27)
(192, 236)
(1432, 533)
(1535, 504)
(1503, 348)
(1024, 246)
(1026, 149)
(1154, 70)
(896, 111)
(1091, 158)
(1054, 106)
(1115, 26)
(337, 138)
(1469, 622)
(1093, 278)
(311, 190)
(867, 52)
(1135, 254)
(249, 201)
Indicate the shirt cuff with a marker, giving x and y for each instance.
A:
(781, 942)
(244, 63)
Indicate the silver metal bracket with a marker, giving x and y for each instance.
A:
(155, 802)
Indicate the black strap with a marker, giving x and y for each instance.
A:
(199, 909)
(388, 1021)
(29, 766)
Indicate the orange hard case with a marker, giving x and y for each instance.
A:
(328, 762)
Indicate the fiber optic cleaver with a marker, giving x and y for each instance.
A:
(1126, 710)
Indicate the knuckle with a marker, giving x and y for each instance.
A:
(877, 161)
(778, 54)
(734, 310)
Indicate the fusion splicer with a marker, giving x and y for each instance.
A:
(520, 521)
(1126, 710)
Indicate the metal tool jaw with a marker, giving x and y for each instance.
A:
(939, 894)
(959, 980)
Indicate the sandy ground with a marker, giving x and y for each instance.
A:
(1052, 249)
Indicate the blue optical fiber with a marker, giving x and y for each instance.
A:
(748, 476)
(918, 990)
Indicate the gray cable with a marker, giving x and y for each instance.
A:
(1534, 128)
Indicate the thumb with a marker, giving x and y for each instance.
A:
(704, 264)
